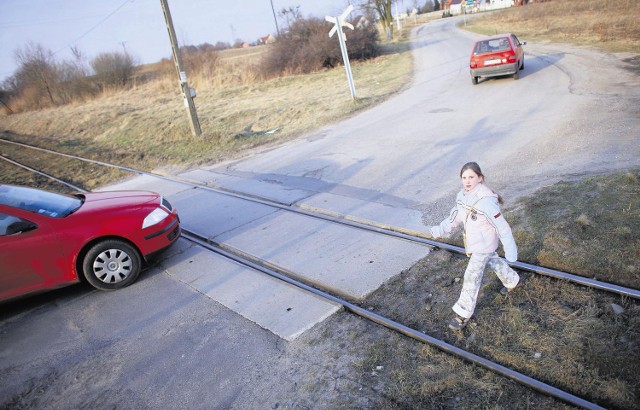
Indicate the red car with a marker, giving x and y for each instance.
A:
(497, 55)
(49, 240)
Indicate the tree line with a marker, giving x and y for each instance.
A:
(41, 81)
(303, 46)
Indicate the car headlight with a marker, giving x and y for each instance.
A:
(154, 217)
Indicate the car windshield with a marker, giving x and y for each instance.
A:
(492, 46)
(39, 202)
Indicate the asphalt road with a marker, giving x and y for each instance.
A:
(166, 343)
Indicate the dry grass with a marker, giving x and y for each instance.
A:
(557, 332)
(612, 26)
(596, 229)
(147, 127)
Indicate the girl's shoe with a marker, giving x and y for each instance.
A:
(505, 291)
(458, 323)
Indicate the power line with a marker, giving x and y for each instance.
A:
(95, 26)
(20, 24)
(31, 23)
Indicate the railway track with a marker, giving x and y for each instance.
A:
(346, 220)
(282, 274)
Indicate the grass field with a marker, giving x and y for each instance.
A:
(147, 127)
(609, 26)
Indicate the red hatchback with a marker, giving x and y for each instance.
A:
(49, 240)
(497, 55)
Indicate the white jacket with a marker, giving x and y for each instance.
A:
(479, 212)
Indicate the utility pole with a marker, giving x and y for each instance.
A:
(275, 19)
(233, 34)
(187, 92)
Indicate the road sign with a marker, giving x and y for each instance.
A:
(339, 22)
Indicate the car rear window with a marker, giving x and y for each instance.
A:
(39, 202)
(492, 46)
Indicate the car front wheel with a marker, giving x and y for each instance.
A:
(111, 264)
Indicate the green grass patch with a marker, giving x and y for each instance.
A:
(590, 228)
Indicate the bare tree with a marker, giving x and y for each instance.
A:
(37, 74)
(221, 45)
(113, 69)
(383, 9)
(290, 15)
(74, 77)
(5, 96)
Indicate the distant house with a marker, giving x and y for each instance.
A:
(362, 22)
(504, 3)
(458, 6)
(266, 40)
(454, 6)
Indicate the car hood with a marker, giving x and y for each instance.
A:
(121, 199)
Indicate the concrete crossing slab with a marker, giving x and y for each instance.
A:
(277, 306)
(148, 183)
(262, 188)
(343, 260)
(210, 214)
(385, 216)
(347, 261)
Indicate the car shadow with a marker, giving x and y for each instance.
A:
(533, 63)
(29, 303)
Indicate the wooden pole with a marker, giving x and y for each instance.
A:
(182, 75)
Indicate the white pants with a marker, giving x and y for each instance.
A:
(466, 304)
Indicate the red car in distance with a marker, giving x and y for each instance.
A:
(50, 240)
(495, 56)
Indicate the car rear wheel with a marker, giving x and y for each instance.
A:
(474, 80)
(111, 264)
(516, 75)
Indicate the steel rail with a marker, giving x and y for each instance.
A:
(42, 173)
(274, 271)
(368, 226)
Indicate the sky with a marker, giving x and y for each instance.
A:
(138, 26)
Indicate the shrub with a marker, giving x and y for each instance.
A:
(113, 69)
(307, 47)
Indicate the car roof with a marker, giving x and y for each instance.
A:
(495, 36)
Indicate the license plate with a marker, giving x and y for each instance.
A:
(492, 62)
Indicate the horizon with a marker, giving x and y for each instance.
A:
(138, 26)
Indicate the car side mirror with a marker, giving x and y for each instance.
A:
(20, 227)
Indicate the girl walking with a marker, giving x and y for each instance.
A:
(477, 209)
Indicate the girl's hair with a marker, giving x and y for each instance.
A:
(476, 168)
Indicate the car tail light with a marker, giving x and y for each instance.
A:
(473, 64)
(511, 58)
